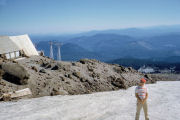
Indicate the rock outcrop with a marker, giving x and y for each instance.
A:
(45, 76)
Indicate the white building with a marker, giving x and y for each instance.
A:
(146, 69)
(12, 47)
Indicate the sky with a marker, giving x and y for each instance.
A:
(73, 16)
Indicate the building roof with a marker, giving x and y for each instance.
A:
(16, 43)
(23, 42)
(7, 45)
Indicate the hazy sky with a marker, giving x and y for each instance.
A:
(68, 16)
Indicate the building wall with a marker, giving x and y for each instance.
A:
(7, 45)
(12, 55)
(10, 47)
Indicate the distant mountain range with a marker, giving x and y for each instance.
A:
(113, 46)
(147, 43)
(133, 32)
(137, 32)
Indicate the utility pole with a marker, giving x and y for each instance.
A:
(51, 50)
(59, 51)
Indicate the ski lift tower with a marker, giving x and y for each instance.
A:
(51, 49)
(58, 44)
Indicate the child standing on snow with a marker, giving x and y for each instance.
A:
(141, 94)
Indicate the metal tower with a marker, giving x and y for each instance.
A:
(51, 50)
(59, 51)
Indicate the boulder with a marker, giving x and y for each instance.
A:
(15, 73)
(56, 67)
(42, 71)
(34, 68)
(88, 61)
(6, 97)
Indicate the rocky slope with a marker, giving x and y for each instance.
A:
(46, 77)
(165, 77)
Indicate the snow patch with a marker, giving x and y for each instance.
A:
(163, 102)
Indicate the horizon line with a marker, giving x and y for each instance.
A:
(87, 31)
